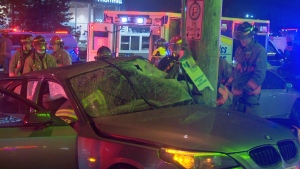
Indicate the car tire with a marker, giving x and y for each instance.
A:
(295, 113)
(122, 166)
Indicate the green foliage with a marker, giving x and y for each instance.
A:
(3, 12)
(39, 15)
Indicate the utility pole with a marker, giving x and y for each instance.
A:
(205, 50)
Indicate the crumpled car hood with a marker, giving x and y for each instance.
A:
(196, 127)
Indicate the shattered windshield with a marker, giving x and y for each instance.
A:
(106, 91)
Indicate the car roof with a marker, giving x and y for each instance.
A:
(64, 72)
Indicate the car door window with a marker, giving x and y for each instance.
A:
(273, 81)
(55, 100)
(15, 85)
(12, 111)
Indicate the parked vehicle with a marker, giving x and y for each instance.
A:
(121, 113)
(279, 99)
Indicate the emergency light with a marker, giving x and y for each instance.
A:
(140, 20)
(124, 20)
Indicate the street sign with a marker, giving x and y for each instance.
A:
(194, 17)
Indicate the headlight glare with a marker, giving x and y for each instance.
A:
(197, 160)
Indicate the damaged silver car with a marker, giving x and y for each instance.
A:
(121, 113)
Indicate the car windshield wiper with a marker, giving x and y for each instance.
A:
(153, 106)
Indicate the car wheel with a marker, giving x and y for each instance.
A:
(295, 113)
(122, 166)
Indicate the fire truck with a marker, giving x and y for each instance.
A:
(129, 33)
(134, 33)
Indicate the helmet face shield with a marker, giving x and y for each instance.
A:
(242, 35)
(39, 43)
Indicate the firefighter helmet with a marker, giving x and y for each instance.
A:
(244, 31)
(56, 40)
(176, 39)
(103, 52)
(160, 43)
(39, 40)
(25, 40)
(39, 43)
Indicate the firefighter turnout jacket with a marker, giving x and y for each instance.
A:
(16, 64)
(35, 62)
(250, 70)
(62, 57)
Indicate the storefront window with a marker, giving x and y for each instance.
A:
(85, 11)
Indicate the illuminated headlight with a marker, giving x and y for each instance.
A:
(140, 20)
(124, 20)
(197, 160)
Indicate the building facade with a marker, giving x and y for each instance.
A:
(85, 11)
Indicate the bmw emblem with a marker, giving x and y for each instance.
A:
(268, 137)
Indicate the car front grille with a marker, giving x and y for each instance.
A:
(268, 156)
(265, 156)
(288, 150)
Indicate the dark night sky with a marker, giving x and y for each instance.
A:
(153, 5)
(281, 13)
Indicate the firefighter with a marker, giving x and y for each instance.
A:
(250, 71)
(160, 51)
(62, 57)
(39, 59)
(103, 53)
(170, 64)
(5, 51)
(16, 64)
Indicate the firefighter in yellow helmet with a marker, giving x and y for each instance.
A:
(160, 51)
(39, 59)
(250, 71)
(62, 57)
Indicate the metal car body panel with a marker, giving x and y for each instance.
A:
(196, 126)
(38, 147)
(29, 145)
(276, 99)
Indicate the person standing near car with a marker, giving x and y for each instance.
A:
(16, 64)
(62, 57)
(250, 71)
(39, 59)
(5, 50)
(160, 52)
(103, 53)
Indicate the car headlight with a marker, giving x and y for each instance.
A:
(197, 160)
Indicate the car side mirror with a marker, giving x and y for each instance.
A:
(38, 119)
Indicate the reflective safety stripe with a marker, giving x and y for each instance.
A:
(252, 84)
(67, 113)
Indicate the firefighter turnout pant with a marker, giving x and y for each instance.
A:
(246, 103)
